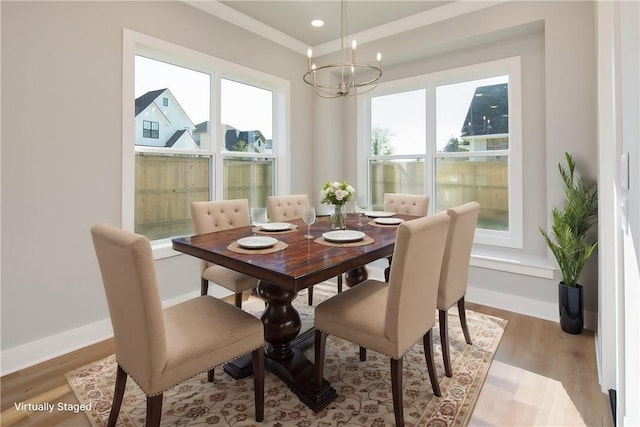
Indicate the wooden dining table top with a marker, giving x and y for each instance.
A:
(304, 262)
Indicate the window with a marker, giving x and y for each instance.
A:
(150, 129)
(452, 135)
(185, 102)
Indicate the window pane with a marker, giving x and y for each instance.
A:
(398, 123)
(473, 115)
(249, 178)
(247, 118)
(176, 101)
(165, 187)
(395, 176)
(483, 179)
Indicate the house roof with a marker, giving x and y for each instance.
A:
(174, 138)
(488, 112)
(202, 127)
(143, 101)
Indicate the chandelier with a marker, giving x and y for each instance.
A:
(347, 79)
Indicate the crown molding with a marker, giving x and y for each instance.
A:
(442, 13)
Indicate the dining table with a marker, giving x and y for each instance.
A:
(294, 263)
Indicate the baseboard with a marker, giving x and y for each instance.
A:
(32, 353)
(517, 304)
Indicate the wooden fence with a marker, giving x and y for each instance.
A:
(166, 186)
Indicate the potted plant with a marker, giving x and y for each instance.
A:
(570, 243)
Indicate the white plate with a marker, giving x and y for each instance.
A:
(379, 214)
(257, 242)
(343, 236)
(388, 221)
(276, 226)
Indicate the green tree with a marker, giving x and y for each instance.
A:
(240, 145)
(380, 141)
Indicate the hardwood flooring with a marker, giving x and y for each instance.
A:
(540, 376)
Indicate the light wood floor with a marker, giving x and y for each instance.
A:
(540, 376)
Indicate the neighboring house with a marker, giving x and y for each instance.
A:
(486, 126)
(161, 122)
(248, 140)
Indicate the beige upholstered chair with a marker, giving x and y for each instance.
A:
(161, 348)
(455, 271)
(390, 318)
(217, 216)
(408, 204)
(287, 208)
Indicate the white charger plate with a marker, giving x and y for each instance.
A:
(379, 214)
(388, 221)
(343, 236)
(276, 226)
(257, 242)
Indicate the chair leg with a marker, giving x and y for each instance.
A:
(339, 283)
(310, 294)
(154, 410)
(238, 300)
(463, 320)
(444, 341)
(320, 342)
(118, 394)
(427, 342)
(257, 358)
(363, 354)
(204, 286)
(396, 390)
(387, 271)
(211, 373)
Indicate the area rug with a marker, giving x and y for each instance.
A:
(364, 388)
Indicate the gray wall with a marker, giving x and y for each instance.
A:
(61, 133)
(556, 41)
(62, 145)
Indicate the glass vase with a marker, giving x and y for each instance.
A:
(339, 217)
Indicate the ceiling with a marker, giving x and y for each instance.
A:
(288, 22)
(294, 17)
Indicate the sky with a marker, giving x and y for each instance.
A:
(244, 107)
(405, 114)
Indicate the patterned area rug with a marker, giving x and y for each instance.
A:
(364, 388)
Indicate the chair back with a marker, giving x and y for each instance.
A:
(415, 274)
(455, 265)
(129, 279)
(286, 208)
(219, 215)
(408, 204)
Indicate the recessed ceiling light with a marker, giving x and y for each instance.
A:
(317, 23)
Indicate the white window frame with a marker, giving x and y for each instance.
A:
(134, 43)
(513, 238)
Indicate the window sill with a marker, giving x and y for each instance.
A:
(513, 263)
(163, 249)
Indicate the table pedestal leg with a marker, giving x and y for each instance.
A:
(355, 276)
(284, 352)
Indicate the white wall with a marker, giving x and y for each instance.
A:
(61, 162)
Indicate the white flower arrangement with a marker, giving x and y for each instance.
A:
(336, 193)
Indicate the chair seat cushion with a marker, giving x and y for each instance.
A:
(358, 315)
(203, 333)
(230, 279)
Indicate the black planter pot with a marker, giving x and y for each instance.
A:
(571, 308)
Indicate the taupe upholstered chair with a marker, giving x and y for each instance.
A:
(455, 272)
(287, 208)
(217, 216)
(408, 204)
(161, 348)
(390, 318)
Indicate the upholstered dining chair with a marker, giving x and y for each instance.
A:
(390, 318)
(455, 272)
(287, 208)
(408, 204)
(217, 216)
(159, 348)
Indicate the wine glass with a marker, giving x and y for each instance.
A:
(309, 217)
(360, 210)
